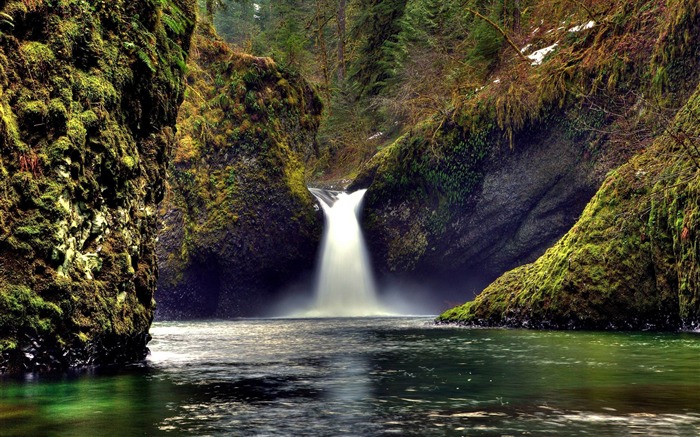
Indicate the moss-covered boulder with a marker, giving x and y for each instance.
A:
(239, 221)
(632, 261)
(89, 92)
(493, 181)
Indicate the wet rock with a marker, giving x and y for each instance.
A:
(85, 120)
(239, 222)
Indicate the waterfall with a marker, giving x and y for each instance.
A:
(344, 284)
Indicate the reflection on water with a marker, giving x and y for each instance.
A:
(398, 376)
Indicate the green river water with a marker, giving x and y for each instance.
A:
(371, 376)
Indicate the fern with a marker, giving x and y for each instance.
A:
(173, 17)
(6, 19)
(143, 56)
(173, 24)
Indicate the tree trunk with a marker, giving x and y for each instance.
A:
(341, 41)
(501, 31)
(209, 8)
(321, 44)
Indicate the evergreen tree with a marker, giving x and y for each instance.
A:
(211, 7)
(241, 21)
(377, 30)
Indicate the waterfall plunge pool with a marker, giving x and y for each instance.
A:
(372, 376)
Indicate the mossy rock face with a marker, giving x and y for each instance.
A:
(239, 222)
(476, 212)
(84, 129)
(495, 180)
(630, 262)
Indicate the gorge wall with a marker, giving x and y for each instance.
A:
(631, 260)
(509, 205)
(492, 182)
(238, 222)
(89, 93)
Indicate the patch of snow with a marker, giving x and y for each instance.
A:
(538, 56)
(375, 136)
(537, 29)
(526, 48)
(256, 7)
(497, 81)
(581, 27)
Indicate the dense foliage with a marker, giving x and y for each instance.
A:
(631, 260)
(481, 127)
(457, 96)
(380, 65)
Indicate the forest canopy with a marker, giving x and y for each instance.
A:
(379, 65)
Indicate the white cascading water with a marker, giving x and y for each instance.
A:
(345, 286)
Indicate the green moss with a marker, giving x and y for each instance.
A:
(16, 9)
(63, 90)
(23, 312)
(33, 112)
(433, 172)
(37, 55)
(9, 129)
(240, 145)
(129, 162)
(69, 188)
(58, 113)
(94, 89)
(58, 150)
(76, 132)
(631, 261)
(89, 119)
(406, 249)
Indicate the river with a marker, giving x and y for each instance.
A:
(371, 376)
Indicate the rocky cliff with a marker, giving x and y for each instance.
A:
(630, 262)
(89, 92)
(502, 206)
(238, 222)
(492, 182)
